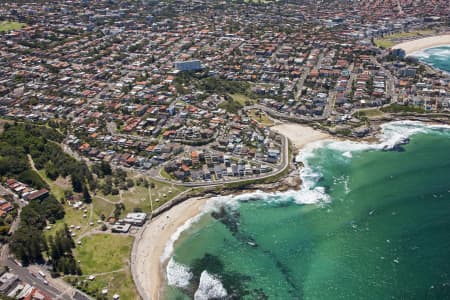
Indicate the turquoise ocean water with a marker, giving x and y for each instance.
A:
(373, 222)
(438, 57)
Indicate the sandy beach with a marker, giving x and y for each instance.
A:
(420, 44)
(156, 234)
(300, 135)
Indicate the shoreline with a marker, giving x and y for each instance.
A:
(423, 43)
(148, 270)
(163, 275)
(152, 243)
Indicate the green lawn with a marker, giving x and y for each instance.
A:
(137, 197)
(110, 254)
(262, 118)
(72, 216)
(242, 99)
(120, 283)
(393, 39)
(100, 253)
(8, 26)
(398, 108)
(102, 207)
(372, 112)
(384, 43)
(166, 175)
(56, 187)
(75, 217)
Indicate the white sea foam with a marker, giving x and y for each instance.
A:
(423, 54)
(347, 154)
(177, 274)
(346, 187)
(393, 134)
(440, 51)
(308, 195)
(210, 287)
(434, 56)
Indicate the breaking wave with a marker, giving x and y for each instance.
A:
(437, 57)
(393, 134)
(210, 287)
(441, 51)
(177, 274)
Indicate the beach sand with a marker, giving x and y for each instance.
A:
(148, 269)
(150, 247)
(300, 135)
(420, 44)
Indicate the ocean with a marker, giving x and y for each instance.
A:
(437, 57)
(372, 222)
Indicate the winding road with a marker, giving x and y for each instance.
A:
(154, 174)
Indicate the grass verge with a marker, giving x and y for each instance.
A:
(8, 26)
(260, 117)
(393, 39)
(242, 99)
(106, 257)
(138, 197)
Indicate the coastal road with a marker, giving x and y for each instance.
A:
(278, 115)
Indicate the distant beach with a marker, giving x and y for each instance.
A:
(300, 135)
(420, 44)
(149, 272)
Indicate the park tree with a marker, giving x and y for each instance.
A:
(86, 196)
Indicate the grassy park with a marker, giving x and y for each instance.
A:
(260, 117)
(370, 113)
(6, 26)
(389, 41)
(242, 99)
(58, 186)
(103, 254)
(137, 197)
(106, 257)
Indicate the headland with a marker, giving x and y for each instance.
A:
(149, 252)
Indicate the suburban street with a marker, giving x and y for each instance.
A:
(25, 275)
(155, 173)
